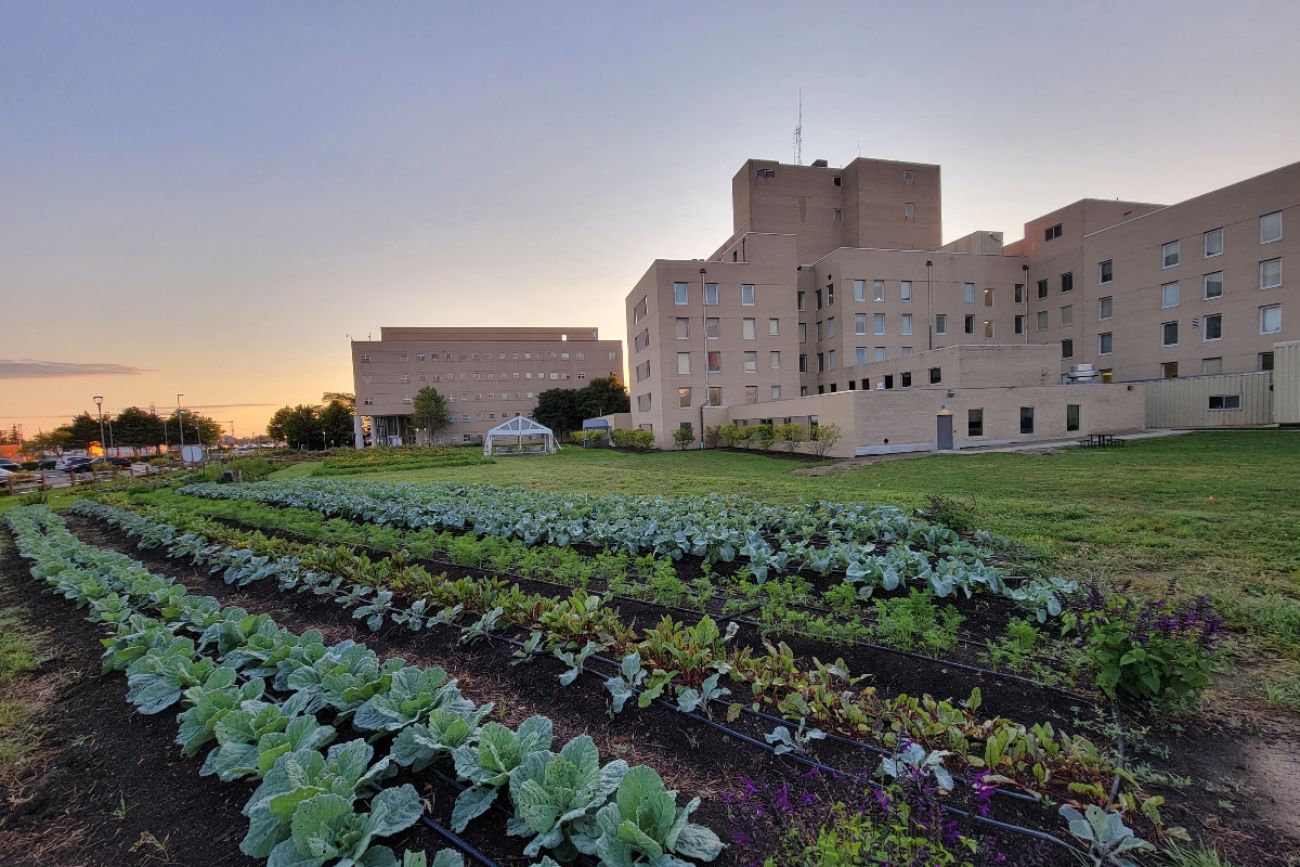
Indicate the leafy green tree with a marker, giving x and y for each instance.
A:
(557, 408)
(134, 426)
(43, 443)
(336, 423)
(199, 428)
(299, 426)
(684, 436)
(430, 411)
(602, 396)
(82, 431)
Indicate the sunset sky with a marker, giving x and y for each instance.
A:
(209, 198)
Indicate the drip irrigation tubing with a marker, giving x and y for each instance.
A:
(741, 737)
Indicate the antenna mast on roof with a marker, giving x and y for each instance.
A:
(798, 133)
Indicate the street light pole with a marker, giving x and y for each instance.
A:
(103, 443)
(180, 421)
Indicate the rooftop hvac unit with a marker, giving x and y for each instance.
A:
(1081, 373)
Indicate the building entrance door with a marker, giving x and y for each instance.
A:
(944, 438)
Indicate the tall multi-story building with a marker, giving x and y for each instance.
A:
(830, 271)
(487, 375)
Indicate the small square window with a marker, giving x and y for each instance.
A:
(1105, 343)
(1042, 320)
(1270, 319)
(1213, 327)
(936, 375)
(859, 290)
(1105, 272)
(681, 293)
(748, 329)
(1169, 334)
(1214, 285)
(839, 215)
(1052, 232)
(909, 210)
(711, 294)
(1169, 254)
(907, 176)
(1213, 243)
(1270, 273)
(1168, 296)
(747, 294)
(1270, 227)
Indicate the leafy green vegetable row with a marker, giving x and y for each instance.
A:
(875, 547)
(670, 659)
(303, 813)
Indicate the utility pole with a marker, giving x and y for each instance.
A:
(103, 443)
(180, 420)
(232, 433)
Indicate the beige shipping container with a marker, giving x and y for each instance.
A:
(1286, 382)
(1231, 400)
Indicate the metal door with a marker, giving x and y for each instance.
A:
(945, 432)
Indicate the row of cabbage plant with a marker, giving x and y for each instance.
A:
(876, 548)
(691, 663)
(223, 666)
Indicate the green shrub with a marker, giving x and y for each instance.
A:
(727, 435)
(684, 436)
(762, 436)
(789, 435)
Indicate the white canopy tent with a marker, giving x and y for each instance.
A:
(519, 435)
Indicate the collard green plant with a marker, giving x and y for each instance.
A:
(644, 826)
(488, 764)
(550, 791)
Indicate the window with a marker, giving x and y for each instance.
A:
(748, 329)
(773, 327)
(1026, 419)
(880, 323)
(406, 379)
(1270, 273)
(365, 359)
(1067, 281)
(1168, 333)
(1107, 375)
(1105, 343)
(830, 294)
(1020, 293)
(1067, 314)
(776, 392)
(877, 290)
(830, 360)
(1168, 296)
(747, 294)
(421, 357)
(904, 290)
(907, 350)
(1214, 285)
(859, 290)
(1052, 232)
(1072, 416)
(968, 293)
(1169, 255)
(711, 294)
(803, 332)
(715, 361)
(839, 215)
(643, 402)
(803, 363)
(941, 323)
(821, 362)
(1105, 307)
(936, 375)
(1105, 272)
(799, 303)
(681, 293)
(909, 210)
(406, 358)
(1042, 288)
(988, 297)
(907, 323)
(1067, 348)
(774, 360)
(880, 353)
(684, 397)
(1212, 366)
(683, 328)
(907, 176)
(1213, 243)
(1270, 227)
(1169, 370)
(1214, 327)
(1266, 360)
(968, 321)
(1220, 402)
(889, 380)
(641, 341)
(1042, 320)
(715, 395)
(974, 422)
(860, 355)
(751, 362)
(1270, 319)
(905, 379)
(859, 323)
(1020, 324)
(818, 293)
(683, 363)
(830, 328)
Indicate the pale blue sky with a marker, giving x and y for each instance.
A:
(218, 194)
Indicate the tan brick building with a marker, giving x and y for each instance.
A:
(831, 271)
(487, 375)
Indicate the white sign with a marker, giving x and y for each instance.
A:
(192, 454)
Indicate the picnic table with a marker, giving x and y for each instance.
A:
(1101, 440)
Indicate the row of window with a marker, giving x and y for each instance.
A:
(1270, 322)
(685, 395)
(468, 396)
(712, 295)
(713, 362)
(539, 355)
(1270, 231)
(878, 293)
(406, 378)
(713, 328)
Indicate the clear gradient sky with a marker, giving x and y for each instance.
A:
(209, 198)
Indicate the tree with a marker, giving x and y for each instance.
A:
(684, 436)
(347, 398)
(275, 428)
(42, 443)
(602, 396)
(557, 408)
(299, 426)
(137, 427)
(82, 431)
(430, 411)
(336, 423)
(199, 429)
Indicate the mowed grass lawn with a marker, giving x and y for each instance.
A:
(1218, 510)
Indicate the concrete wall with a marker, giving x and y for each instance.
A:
(1182, 403)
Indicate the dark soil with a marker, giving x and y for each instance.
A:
(691, 756)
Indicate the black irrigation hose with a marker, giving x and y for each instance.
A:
(740, 736)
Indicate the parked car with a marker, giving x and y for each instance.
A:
(76, 465)
(10, 465)
(119, 462)
(4, 473)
